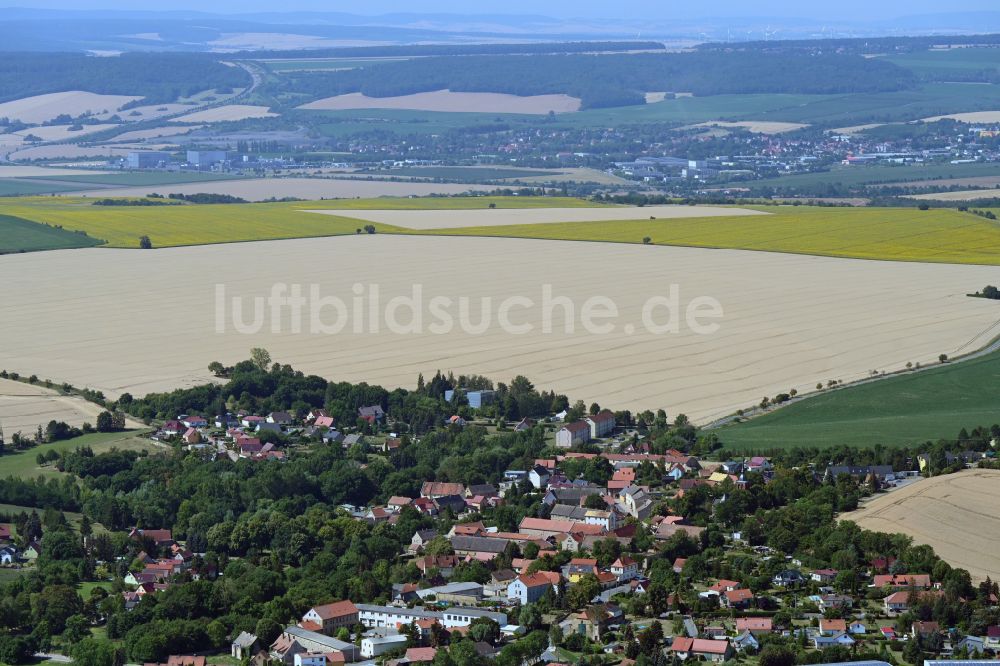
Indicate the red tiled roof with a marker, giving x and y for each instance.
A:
(336, 609)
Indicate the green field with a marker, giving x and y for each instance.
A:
(325, 64)
(171, 226)
(23, 464)
(19, 235)
(898, 234)
(902, 410)
(872, 174)
(137, 178)
(941, 64)
(24, 187)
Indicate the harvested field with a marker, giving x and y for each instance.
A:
(69, 151)
(23, 407)
(457, 219)
(972, 117)
(448, 101)
(45, 172)
(790, 320)
(956, 514)
(972, 181)
(42, 108)
(260, 189)
(854, 129)
(964, 195)
(224, 114)
(63, 132)
(156, 133)
(756, 126)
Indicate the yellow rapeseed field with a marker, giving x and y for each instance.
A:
(901, 234)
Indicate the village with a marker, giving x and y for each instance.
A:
(590, 566)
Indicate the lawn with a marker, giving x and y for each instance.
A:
(900, 234)
(20, 235)
(902, 410)
(23, 464)
(171, 226)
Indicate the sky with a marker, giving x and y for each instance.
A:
(853, 10)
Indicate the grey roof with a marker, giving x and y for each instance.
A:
(351, 440)
(244, 640)
(574, 495)
(311, 640)
(578, 513)
(413, 612)
(451, 588)
(480, 544)
(857, 470)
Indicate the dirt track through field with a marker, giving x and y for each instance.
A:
(957, 514)
(140, 321)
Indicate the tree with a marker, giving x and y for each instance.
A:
(369, 228)
(595, 502)
(94, 652)
(777, 655)
(216, 368)
(105, 422)
(646, 240)
(145, 243)
(267, 630)
(260, 357)
(943, 358)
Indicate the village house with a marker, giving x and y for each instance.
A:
(755, 625)
(329, 618)
(420, 539)
(529, 588)
(372, 413)
(573, 434)
(737, 599)
(624, 568)
(901, 581)
(685, 648)
(601, 424)
(246, 644)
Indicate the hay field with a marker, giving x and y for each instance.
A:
(261, 189)
(756, 126)
(971, 117)
(448, 101)
(42, 108)
(224, 114)
(963, 195)
(145, 321)
(957, 514)
(899, 234)
(155, 133)
(457, 219)
(23, 407)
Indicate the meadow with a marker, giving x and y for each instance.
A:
(23, 463)
(898, 234)
(941, 64)
(897, 411)
(18, 235)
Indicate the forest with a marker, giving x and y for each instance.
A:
(157, 77)
(609, 80)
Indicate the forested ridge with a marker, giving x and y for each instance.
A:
(609, 80)
(158, 77)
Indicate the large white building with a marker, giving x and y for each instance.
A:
(373, 616)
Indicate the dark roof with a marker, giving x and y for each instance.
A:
(480, 544)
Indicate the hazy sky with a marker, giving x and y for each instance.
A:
(853, 10)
